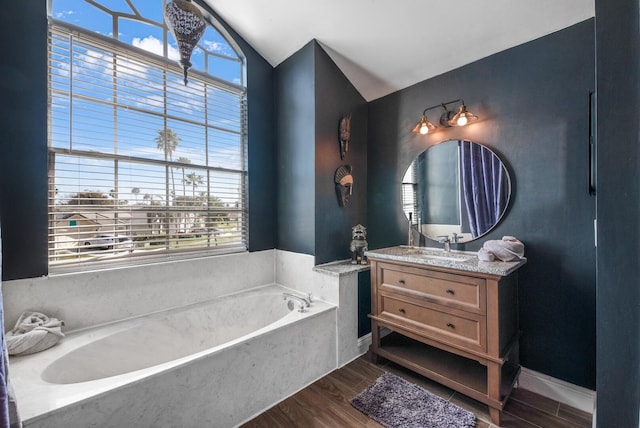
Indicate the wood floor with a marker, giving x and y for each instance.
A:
(326, 403)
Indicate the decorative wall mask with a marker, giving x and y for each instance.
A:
(345, 135)
(344, 184)
(358, 245)
(187, 25)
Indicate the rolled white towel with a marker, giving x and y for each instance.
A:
(508, 249)
(33, 332)
(485, 256)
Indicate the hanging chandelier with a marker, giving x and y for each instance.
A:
(187, 25)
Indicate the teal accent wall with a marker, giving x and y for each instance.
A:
(618, 211)
(312, 96)
(23, 139)
(336, 97)
(533, 104)
(295, 155)
(364, 303)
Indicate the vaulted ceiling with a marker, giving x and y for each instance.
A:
(383, 46)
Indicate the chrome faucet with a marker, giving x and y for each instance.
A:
(304, 302)
(447, 243)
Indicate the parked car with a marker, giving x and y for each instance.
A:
(109, 242)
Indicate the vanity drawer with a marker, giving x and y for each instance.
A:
(467, 331)
(464, 292)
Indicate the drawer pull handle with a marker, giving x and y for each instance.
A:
(402, 311)
(450, 325)
(450, 291)
(401, 281)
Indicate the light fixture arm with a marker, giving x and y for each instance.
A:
(448, 118)
(443, 105)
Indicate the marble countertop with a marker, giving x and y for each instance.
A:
(461, 260)
(340, 268)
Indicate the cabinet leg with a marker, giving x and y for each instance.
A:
(375, 342)
(494, 376)
(496, 416)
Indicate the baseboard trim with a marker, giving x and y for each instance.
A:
(364, 342)
(559, 390)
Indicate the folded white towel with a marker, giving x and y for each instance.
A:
(485, 255)
(508, 249)
(34, 332)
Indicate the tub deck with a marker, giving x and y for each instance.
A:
(64, 392)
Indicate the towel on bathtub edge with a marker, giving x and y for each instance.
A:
(33, 332)
(506, 250)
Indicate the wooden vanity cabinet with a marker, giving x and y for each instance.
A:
(456, 327)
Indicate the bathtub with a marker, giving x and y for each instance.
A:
(213, 364)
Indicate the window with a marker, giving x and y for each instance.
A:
(141, 165)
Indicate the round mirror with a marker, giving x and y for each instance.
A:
(456, 189)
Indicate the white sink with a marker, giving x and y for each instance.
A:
(457, 259)
(439, 255)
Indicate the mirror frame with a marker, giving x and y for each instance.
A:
(414, 222)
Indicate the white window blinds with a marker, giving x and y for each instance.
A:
(140, 165)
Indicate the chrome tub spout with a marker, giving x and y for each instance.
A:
(304, 302)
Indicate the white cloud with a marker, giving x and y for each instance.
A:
(64, 13)
(153, 45)
(61, 68)
(94, 59)
(152, 100)
(218, 47)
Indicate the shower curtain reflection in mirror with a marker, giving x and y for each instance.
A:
(483, 186)
(456, 188)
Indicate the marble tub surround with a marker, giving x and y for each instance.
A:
(461, 260)
(342, 277)
(299, 272)
(222, 385)
(92, 298)
(87, 299)
(260, 373)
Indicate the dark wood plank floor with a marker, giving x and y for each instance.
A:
(326, 403)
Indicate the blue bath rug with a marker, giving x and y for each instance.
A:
(395, 403)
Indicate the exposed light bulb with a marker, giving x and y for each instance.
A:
(424, 129)
(462, 121)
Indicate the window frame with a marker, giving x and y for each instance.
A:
(164, 63)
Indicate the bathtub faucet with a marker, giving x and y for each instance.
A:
(304, 302)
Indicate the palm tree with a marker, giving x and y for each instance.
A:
(182, 159)
(136, 192)
(167, 140)
(151, 198)
(194, 180)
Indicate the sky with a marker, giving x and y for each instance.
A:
(136, 130)
(146, 35)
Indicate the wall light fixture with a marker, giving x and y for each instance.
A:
(187, 25)
(461, 117)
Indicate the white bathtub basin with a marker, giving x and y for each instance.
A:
(165, 337)
(217, 348)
